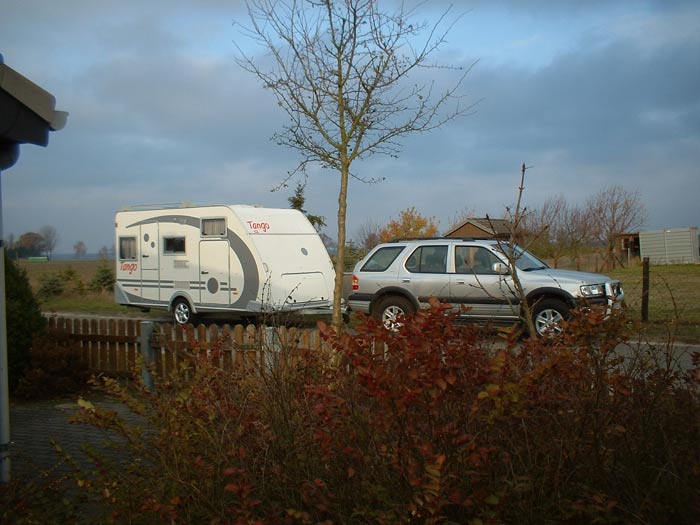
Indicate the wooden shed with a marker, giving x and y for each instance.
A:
(482, 228)
(627, 244)
(671, 246)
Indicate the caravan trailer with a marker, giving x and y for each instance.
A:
(222, 260)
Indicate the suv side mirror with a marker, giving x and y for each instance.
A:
(501, 269)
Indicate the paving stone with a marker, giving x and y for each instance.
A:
(34, 425)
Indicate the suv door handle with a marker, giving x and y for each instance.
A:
(405, 280)
(205, 273)
(460, 282)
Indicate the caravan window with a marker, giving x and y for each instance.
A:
(174, 245)
(127, 248)
(213, 227)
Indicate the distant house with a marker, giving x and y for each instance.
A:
(482, 228)
(627, 244)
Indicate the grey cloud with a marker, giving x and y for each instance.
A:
(160, 112)
(592, 117)
(594, 105)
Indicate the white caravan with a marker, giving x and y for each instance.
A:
(220, 260)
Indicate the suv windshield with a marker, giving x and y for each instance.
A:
(524, 260)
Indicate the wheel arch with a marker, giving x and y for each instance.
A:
(550, 293)
(393, 290)
(182, 295)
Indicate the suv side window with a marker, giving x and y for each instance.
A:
(382, 259)
(428, 259)
(474, 259)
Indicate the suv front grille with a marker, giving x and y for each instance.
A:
(615, 288)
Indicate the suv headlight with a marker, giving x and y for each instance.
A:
(593, 290)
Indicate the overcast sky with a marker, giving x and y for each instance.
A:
(590, 93)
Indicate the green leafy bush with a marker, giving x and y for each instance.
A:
(78, 287)
(73, 281)
(57, 283)
(432, 424)
(69, 274)
(103, 280)
(24, 320)
(51, 285)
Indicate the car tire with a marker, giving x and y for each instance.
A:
(182, 311)
(390, 308)
(547, 314)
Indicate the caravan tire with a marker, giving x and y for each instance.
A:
(182, 311)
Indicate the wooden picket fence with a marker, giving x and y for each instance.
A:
(112, 345)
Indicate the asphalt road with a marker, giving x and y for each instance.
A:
(679, 356)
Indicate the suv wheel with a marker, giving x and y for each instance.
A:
(547, 316)
(390, 308)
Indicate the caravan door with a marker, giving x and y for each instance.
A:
(214, 268)
(150, 279)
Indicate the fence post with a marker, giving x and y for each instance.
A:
(271, 346)
(147, 353)
(645, 289)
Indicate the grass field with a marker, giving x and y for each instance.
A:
(83, 302)
(84, 269)
(674, 297)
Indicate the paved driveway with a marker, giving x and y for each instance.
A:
(34, 424)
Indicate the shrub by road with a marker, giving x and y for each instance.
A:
(429, 424)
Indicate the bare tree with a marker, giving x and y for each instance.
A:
(578, 223)
(50, 236)
(347, 75)
(80, 249)
(368, 234)
(614, 211)
(10, 245)
(545, 229)
(516, 221)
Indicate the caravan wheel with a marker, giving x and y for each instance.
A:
(182, 312)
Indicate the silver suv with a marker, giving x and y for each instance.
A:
(397, 278)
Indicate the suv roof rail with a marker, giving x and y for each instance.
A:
(404, 239)
(161, 206)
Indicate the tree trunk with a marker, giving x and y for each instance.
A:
(337, 318)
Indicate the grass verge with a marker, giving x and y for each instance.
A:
(674, 299)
